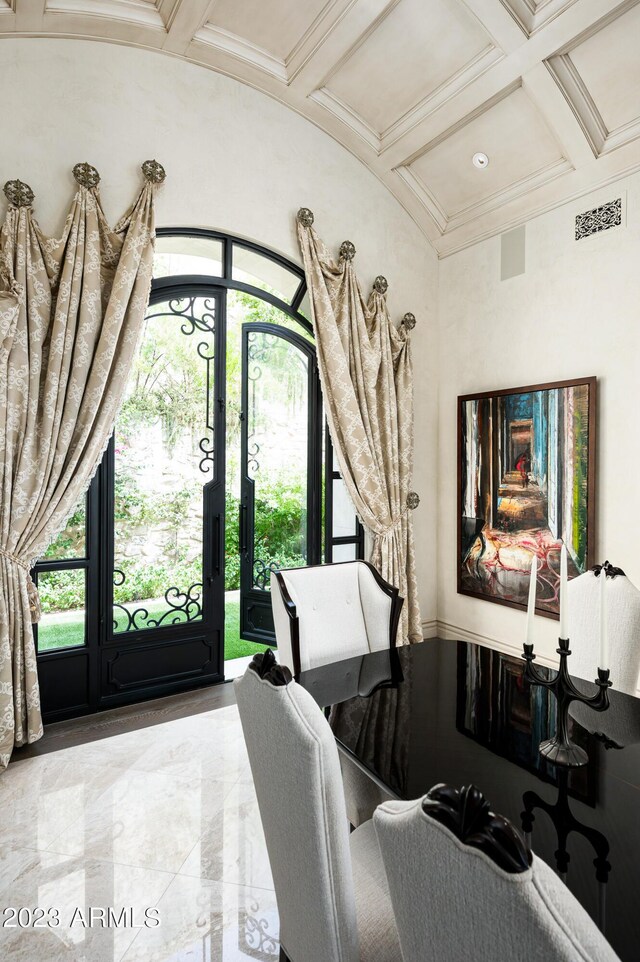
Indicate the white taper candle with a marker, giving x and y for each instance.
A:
(563, 593)
(531, 606)
(604, 637)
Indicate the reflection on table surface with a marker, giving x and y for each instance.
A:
(456, 712)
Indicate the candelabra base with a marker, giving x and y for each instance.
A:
(563, 753)
(560, 750)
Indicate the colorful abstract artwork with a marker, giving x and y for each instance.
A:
(526, 465)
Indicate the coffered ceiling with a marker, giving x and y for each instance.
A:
(548, 89)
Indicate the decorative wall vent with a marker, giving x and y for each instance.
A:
(600, 218)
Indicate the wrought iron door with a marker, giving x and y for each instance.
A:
(165, 474)
(281, 445)
(133, 588)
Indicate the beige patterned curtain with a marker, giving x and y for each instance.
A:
(367, 385)
(71, 311)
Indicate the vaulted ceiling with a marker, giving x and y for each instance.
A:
(549, 90)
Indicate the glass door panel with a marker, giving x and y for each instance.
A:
(345, 522)
(63, 599)
(187, 254)
(251, 267)
(164, 459)
(344, 535)
(72, 541)
(345, 552)
(277, 445)
(279, 515)
(61, 578)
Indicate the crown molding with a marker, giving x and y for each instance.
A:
(502, 198)
(316, 35)
(131, 11)
(570, 83)
(531, 17)
(241, 49)
(347, 116)
(424, 196)
(575, 184)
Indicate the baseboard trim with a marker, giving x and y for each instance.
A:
(430, 628)
(444, 629)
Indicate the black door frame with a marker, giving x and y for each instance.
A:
(256, 618)
(188, 651)
(72, 679)
(68, 677)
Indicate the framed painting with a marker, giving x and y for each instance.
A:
(526, 486)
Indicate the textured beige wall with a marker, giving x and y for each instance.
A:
(575, 312)
(236, 161)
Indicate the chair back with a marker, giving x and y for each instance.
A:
(623, 629)
(328, 613)
(453, 900)
(296, 772)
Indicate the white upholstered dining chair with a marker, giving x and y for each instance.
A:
(463, 886)
(328, 613)
(333, 612)
(331, 888)
(620, 724)
(623, 627)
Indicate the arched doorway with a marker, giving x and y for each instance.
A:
(219, 471)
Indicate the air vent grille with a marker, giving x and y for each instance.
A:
(600, 218)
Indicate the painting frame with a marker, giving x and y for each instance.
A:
(590, 383)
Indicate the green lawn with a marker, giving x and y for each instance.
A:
(234, 646)
(69, 633)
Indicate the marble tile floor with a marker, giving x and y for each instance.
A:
(159, 818)
(128, 718)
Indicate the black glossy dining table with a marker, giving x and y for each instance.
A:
(459, 713)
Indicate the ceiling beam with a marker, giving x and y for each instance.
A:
(498, 23)
(357, 21)
(556, 36)
(540, 86)
(187, 18)
(30, 15)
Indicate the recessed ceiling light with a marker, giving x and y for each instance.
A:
(480, 160)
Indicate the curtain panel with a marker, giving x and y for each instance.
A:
(367, 385)
(71, 313)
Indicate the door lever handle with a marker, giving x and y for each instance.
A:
(242, 529)
(219, 546)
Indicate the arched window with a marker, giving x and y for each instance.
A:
(219, 472)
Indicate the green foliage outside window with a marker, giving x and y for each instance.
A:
(169, 384)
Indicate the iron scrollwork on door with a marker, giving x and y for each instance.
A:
(184, 606)
(184, 309)
(258, 343)
(256, 356)
(282, 412)
(262, 574)
(195, 315)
